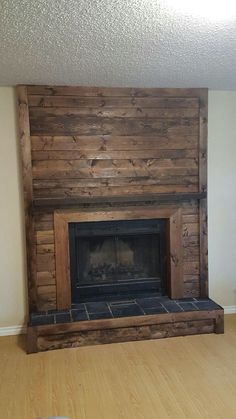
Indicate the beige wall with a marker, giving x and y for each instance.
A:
(222, 206)
(12, 272)
(222, 196)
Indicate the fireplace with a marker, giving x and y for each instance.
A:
(115, 194)
(117, 259)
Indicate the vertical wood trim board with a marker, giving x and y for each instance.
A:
(25, 143)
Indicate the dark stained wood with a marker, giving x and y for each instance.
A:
(62, 261)
(115, 112)
(118, 148)
(107, 126)
(219, 322)
(203, 249)
(32, 340)
(93, 91)
(125, 334)
(122, 329)
(203, 188)
(176, 255)
(114, 155)
(46, 297)
(157, 198)
(84, 143)
(24, 137)
(113, 102)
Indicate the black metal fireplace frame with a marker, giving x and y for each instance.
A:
(78, 230)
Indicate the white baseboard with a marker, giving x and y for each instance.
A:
(229, 309)
(12, 330)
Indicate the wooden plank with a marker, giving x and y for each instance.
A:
(46, 297)
(192, 268)
(176, 255)
(42, 113)
(203, 187)
(122, 322)
(113, 168)
(203, 249)
(55, 184)
(115, 155)
(24, 137)
(46, 278)
(94, 91)
(125, 334)
(189, 241)
(45, 237)
(191, 253)
(113, 101)
(62, 262)
(191, 229)
(45, 249)
(107, 191)
(54, 203)
(116, 126)
(84, 143)
(45, 262)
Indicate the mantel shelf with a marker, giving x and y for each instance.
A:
(70, 202)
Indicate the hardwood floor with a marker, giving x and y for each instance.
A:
(189, 377)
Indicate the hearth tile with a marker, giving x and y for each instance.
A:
(97, 307)
(79, 315)
(126, 310)
(78, 306)
(151, 302)
(172, 307)
(63, 318)
(188, 306)
(41, 320)
(207, 305)
(39, 313)
(155, 310)
(97, 316)
(54, 311)
(185, 300)
(64, 311)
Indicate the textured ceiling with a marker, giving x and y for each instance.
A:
(114, 42)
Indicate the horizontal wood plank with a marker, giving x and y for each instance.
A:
(116, 126)
(117, 191)
(94, 91)
(86, 143)
(112, 101)
(113, 168)
(114, 155)
(42, 113)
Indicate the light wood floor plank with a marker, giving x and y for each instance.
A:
(181, 378)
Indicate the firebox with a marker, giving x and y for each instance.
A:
(117, 259)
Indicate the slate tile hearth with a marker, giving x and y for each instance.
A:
(116, 309)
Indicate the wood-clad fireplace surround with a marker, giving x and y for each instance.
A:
(102, 155)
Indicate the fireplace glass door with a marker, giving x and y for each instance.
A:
(110, 260)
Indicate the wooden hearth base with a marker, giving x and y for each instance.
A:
(58, 336)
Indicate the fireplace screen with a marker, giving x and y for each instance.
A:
(118, 258)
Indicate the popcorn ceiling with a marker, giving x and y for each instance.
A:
(113, 43)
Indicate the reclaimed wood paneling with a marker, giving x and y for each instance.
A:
(130, 141)
(86, 145)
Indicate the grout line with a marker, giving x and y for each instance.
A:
(87, 312)
(109, 308)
